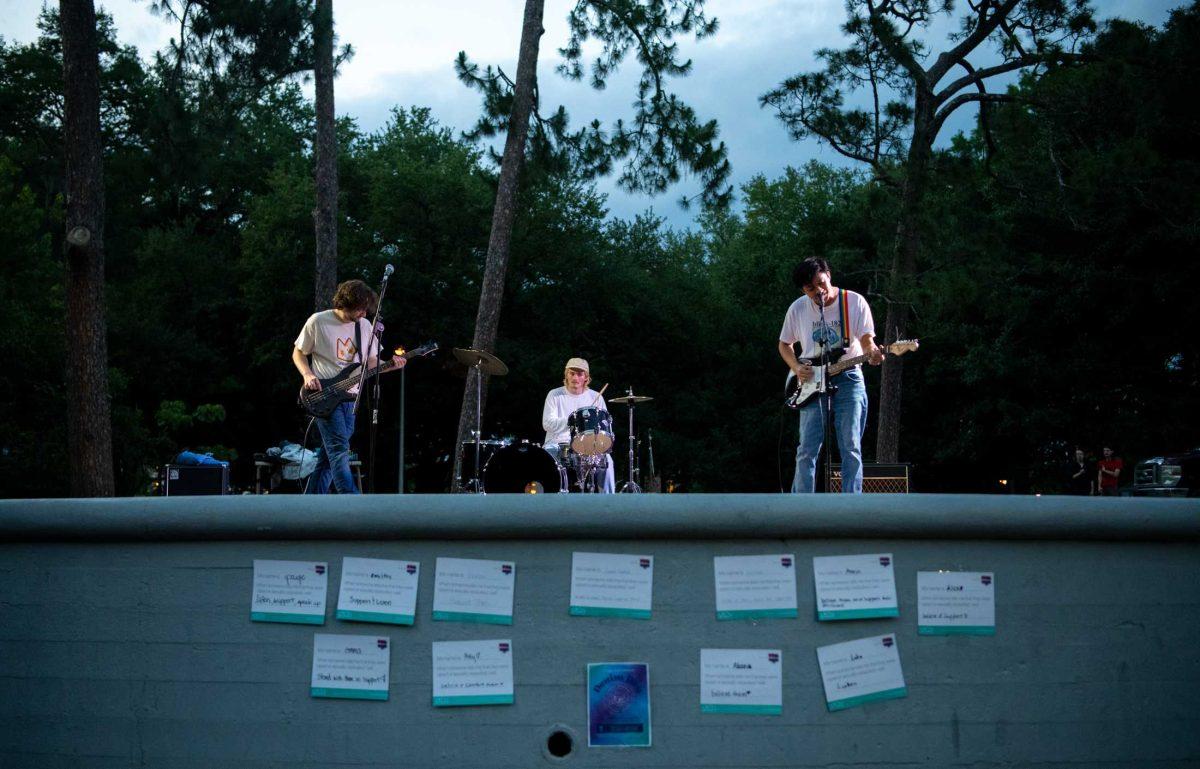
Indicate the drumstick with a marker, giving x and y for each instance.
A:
(602, 389)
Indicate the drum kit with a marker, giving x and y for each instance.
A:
(507, 466)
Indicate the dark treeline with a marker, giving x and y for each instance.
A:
(1054, 303)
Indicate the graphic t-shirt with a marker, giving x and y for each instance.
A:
(803, 324)
(330, 342)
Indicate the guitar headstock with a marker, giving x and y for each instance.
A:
(902, 346)
(426, 349)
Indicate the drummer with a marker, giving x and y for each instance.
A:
(563, 401)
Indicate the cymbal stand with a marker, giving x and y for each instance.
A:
(630, 486)
(478, 419)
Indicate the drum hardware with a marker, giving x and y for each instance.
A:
(467, 452)
(584, 472)
(629, 399)
(484, 363)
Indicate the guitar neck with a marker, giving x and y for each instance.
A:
(847, 363)
(381, 368)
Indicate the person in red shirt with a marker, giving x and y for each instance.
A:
(1109, 474)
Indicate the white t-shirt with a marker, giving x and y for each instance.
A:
(330, 342)
(802, 323)
(560, 404)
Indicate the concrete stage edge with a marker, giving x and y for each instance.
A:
(126, 640)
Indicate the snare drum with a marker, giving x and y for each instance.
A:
(521, 468)
(591, 431)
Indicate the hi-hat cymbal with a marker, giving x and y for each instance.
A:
(489, 364)
(632, 399)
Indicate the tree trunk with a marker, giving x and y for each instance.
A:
(89, 426)
(487, 320)
(904, 264)
(326, 155)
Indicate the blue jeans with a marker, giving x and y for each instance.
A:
(334, 464)
(849, 422)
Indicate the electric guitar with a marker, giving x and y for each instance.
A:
(341, 388)
(797, 393)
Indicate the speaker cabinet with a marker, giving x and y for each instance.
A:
(877, 478)
(194, 480)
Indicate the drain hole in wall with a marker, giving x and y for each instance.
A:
(559, 744)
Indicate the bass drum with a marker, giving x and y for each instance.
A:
(517, 468)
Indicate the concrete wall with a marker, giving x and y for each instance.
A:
(125, 638)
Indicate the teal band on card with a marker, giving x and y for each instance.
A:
(850, 702)
(463, 616)
(371, 616)
(603, 611)
(348, 694)
(297, 619)
(956, 630)
(482, 699)
(750, 710)
(758, 614)
(857, 614)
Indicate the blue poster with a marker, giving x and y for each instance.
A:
(618, 704)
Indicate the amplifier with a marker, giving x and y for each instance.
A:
(877, 478)
(194, 480)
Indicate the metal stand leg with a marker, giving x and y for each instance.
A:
(478, 422)
(630, 486)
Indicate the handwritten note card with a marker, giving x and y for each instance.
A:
(472, 673)
(748, 681)
(355, 667)
(289, 591)
(471, 590)
(618, 705)
(861, 671)
(611, 585)
(754, 586)
(956, 603)
(376, 590)
(855, 586)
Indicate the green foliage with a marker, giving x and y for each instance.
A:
(664, 138)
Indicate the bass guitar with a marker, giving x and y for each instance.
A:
(797, 393)
(341, 388)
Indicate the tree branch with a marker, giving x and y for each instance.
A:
(984, 98)
(975, 76)
(959, 52)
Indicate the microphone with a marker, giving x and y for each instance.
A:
(378, 329)
(387, 271)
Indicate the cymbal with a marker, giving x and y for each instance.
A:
(488, 364)
(631, 399)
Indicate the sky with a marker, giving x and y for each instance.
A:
(404, 54)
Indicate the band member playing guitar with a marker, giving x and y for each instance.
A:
(335, 339)
(833, 321)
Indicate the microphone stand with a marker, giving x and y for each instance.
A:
(362, 376)
(826, 395)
